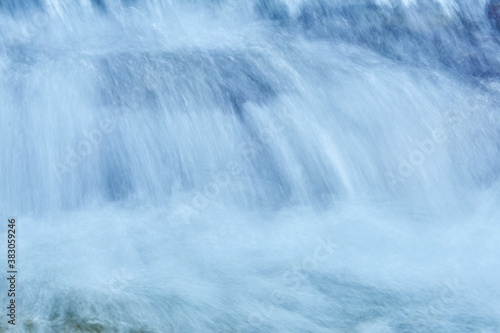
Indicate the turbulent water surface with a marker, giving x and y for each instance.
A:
(252, 165)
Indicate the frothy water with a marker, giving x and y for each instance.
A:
(252, 166)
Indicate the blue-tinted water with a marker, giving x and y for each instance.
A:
(252, 166)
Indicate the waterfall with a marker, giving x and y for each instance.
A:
(253, 165)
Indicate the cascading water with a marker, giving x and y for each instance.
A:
(252, 166)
